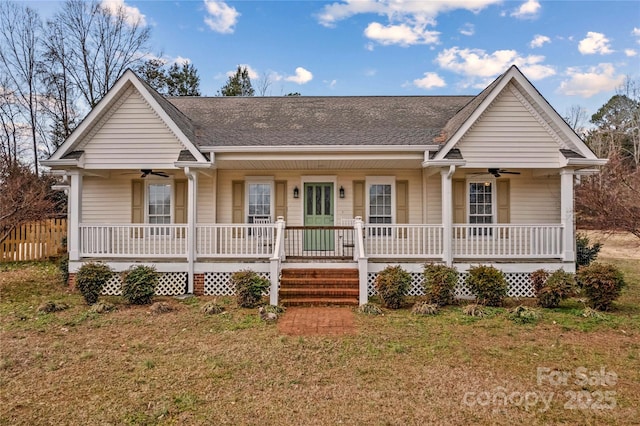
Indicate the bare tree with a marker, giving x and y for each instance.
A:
(99, 46)
(263, 84)
(576, 117)
(19, 43)
(608, 201)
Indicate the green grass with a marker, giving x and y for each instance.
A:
(184, 367)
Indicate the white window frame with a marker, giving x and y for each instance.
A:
(494, 199)
(380, 180)
(259, 180)
(147, 200)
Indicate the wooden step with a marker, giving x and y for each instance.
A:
(308, 286)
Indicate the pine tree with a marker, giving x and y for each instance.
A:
(183, 81)
(238, 84)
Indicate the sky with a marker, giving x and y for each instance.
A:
(574, 52)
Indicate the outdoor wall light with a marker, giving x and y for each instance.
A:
(341, 192)
(296, 192)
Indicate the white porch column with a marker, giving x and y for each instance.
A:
(447, 214)
(75, 214)
(566, 214)
(192, 196)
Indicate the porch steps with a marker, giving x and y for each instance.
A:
(300, 287)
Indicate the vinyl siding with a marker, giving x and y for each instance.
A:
(509, 135)
(132, 135)
(344, 207)
(106, 200)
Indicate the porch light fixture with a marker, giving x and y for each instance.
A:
(341, 192)
(296, 192)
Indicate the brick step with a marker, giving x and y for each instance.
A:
(319, 282)
(318, 292)
(320, 301)
(320, 273)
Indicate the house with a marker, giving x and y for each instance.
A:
(327, 189)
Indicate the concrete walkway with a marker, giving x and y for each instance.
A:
(317, 321)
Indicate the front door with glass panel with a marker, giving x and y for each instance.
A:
(318, 211)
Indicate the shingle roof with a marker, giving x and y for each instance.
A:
(308, 120)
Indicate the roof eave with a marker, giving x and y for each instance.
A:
(444, 163)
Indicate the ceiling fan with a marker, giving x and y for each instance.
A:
(147, 172)
(498, 172)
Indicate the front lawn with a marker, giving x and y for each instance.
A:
(184, 367)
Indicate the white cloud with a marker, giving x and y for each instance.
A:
(539, 41)
(468, 29)
(636, 32)
(594, 43)
(527, 10)
(253, 74)
(430, 80)
(630, 52)
(181, 61)
(477, 63)
(402, 34)
(397, 10)
(221, 17)
(370, 72)
(132, 14)
(331, 84)
(302, 76)
(594, 80)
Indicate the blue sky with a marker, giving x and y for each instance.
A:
(574, 52)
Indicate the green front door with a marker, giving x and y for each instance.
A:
(318, 211)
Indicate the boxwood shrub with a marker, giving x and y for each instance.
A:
(488, 284)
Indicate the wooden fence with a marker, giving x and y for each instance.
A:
(34, 241)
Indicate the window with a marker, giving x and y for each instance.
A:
(481, 204)
(380, 205)
(259, 201)
(159, 205)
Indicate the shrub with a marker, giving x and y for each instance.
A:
(425, 308)
(488, 284)
(585, 253)
(212, 308)
(601, 283)
(525, 315)
(249, 287)
(439, 284)
(102, 307)
(474, 310)
(392, 284)
(551, 289)
(90, 279)
(139, 285)
(369, 309)
(48, 307)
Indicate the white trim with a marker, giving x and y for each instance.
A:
(494, 189)
(171, 184)
(259, 180)
(318, 179)
(380, 180)
(284, 149)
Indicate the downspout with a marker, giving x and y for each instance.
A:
(191, 228)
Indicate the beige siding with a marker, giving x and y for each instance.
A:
(434, 199)
(535, 200)
(509, 135)
(132, 135)
(344, 207)
(206, 209)
(106, 200)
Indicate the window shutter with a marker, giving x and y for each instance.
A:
(237, 203)
(402, 204)
(281, 200)
(504, 204)
(459, 205)
(180, 196)
(137, 201)
(359, 199)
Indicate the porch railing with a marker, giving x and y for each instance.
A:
(143, 240)
(507, 241)
(236, 240)
(328, 242)
(403, 241)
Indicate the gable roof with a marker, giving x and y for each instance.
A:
(468, 116)
(175, 120)
(311, 120)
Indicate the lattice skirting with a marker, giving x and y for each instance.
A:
(169, 284)
(519, 285)
(219, 283)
